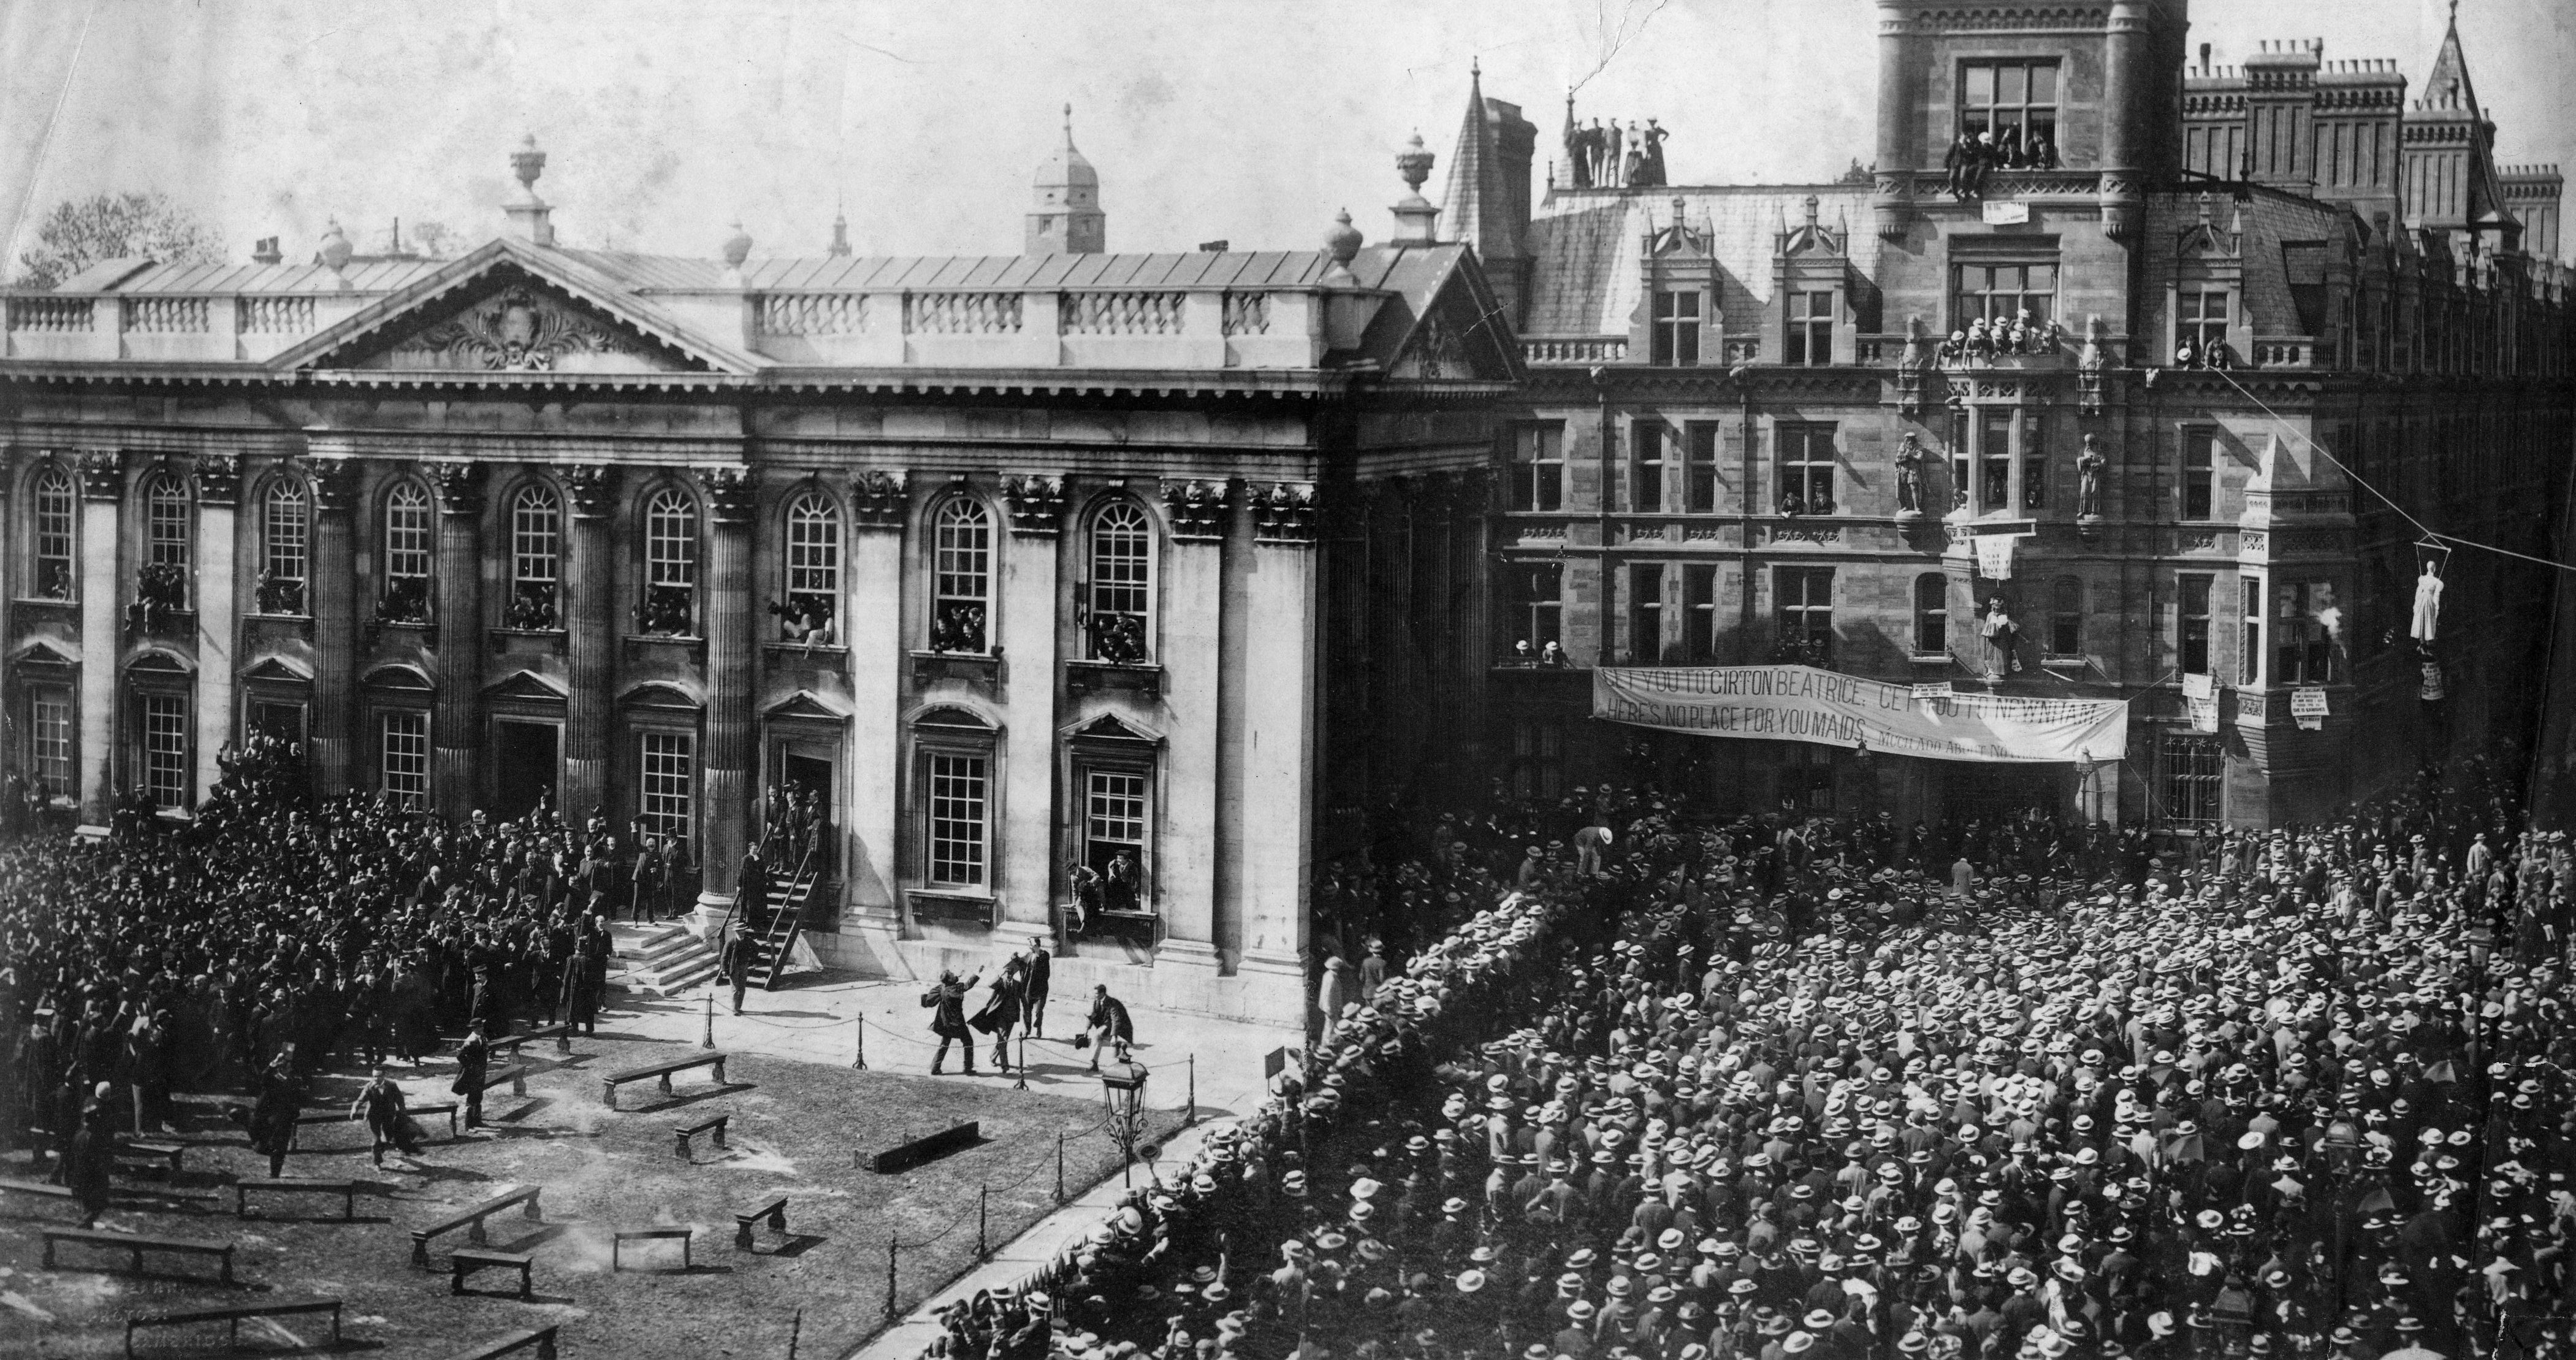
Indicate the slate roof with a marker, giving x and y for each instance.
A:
(1585, 249)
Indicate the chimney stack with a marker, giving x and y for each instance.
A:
(265, 251)
(530, 218)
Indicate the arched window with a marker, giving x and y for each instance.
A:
(2066, 617)
(1122, 584)
(962, 577)
(286, 538)
(813, 569)
(1931, 614)
(407, 555)
(670, 562)
(54, 510)
(163, 582)
(536, 557)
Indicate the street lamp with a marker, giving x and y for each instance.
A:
(1122, 1086)
(2083, 782)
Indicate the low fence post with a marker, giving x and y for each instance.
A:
(860, 1062)
(983, 1248)
(710, 1040)
(1191, 1119)
(1059, 1166)
(889, 1303)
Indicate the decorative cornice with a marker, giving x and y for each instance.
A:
(218, 477)
(102, 474)
(1197, 508)
(1284, 512)
(1037, 504)
(592, 488)
(729, 492)
(877, 499)
(460, 486)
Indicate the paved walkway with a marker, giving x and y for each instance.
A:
(819, 1020)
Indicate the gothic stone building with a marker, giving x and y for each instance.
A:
(1021, 563)
(1723, 380)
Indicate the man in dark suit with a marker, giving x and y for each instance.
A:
(946, 1001)
(1108, 1024)
(473, 1059)
(742, 954)
(1041, 969)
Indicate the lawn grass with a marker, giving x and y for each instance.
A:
(795, 1129)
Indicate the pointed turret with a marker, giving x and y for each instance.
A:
(2449, 148)
(1488, 199)
(2448, 86)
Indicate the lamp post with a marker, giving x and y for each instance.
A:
(2083, 783)
(1122, 1086)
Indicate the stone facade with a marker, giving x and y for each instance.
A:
(1724, 380)
(1015, 568)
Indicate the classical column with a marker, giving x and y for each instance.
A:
(334, 602)
(2128, 82)
(218, 621)
(1193, 589)
(1900, 133)
(9, 763)
(589, 585)
(1281, 755)
(102, 475)
(1029, 604)
(458, 608)
(872, 628)
(728, 762)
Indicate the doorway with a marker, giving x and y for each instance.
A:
(803, 776)
(526, 763)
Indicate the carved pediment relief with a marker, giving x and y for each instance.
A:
(520, 326)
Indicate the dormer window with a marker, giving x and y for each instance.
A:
(1811, 329)
(1676, 341)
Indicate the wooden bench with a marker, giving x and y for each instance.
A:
(233, 1313)
(775, 1211)
(626, 1235)
(561, 1034)
(543, 1338)
(472, 1218)
(467, 1260)
(346, 1190)
(151, 1152)
(138, 1244)
(662, 1070)
(516, 1074)
(342, 1117)
(681, 1135)
(447, 1108)
(40, 1189)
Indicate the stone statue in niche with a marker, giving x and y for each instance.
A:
(1909, 475)
(2088, 479)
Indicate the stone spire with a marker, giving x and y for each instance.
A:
(840, 233)
(1488, 197)
(2448, 86)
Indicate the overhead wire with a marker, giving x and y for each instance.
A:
(2385, 499)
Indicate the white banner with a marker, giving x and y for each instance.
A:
(2307, 703)
(1801, 703)
(2204, 714)
(1994, 556)
(2199, 686)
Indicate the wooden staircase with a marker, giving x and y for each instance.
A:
(781, 919)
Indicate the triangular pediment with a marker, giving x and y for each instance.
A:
(1455, 340)
(42, 653)
(808, 705)
(510, 307)
(527, 687)
(278, 669)
(396, 675)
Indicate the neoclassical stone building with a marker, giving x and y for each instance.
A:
(1021, 563)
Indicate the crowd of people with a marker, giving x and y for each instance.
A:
(1850, 1091)
(243, 949)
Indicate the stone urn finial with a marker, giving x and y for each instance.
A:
(335, 247)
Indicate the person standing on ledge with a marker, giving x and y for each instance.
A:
(946, 1002)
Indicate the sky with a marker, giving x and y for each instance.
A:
(1251, 121)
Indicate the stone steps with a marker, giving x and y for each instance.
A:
(663, 960)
